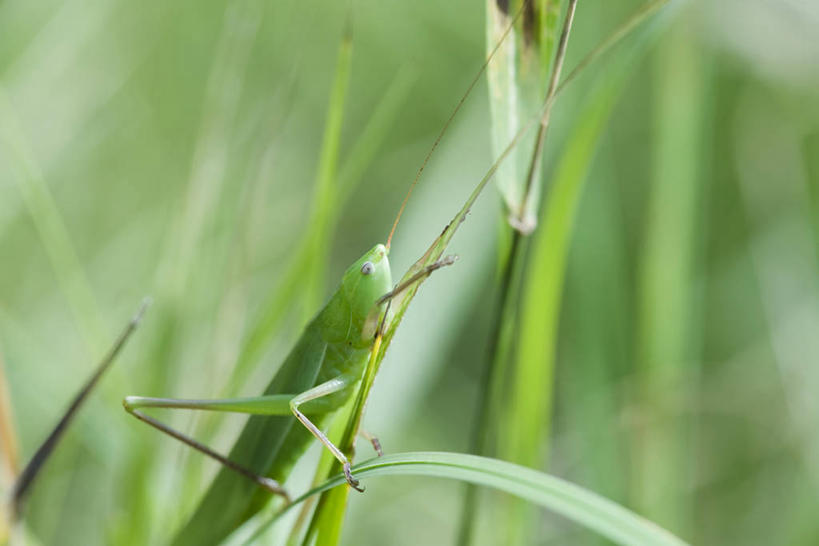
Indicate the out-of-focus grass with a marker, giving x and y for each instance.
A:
(528, 413)
(36, 195)
(8, 436)
(112, 102)
(518, 77)
(669, 340)
(532, 280)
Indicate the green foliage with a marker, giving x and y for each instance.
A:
(669, 297)
(177, 149)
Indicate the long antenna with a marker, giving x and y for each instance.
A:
(452, 116)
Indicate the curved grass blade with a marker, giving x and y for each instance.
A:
(560, 496)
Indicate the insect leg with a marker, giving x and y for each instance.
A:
(259, 405)
(328, 387)
(373, 440)
(420, 275)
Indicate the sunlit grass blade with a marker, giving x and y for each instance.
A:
(571, 501)
(669, 342)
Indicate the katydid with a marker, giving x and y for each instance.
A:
(322, 372)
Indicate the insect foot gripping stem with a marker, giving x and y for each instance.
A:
(351, 480)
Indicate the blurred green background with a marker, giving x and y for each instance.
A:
(170, 149)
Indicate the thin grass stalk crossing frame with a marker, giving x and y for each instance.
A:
(30, 472)
(537, 153)
(569, 500)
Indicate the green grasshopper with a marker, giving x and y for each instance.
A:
(319, 376)
(322, 373)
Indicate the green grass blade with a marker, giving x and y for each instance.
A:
(527, 413)
(571, 501)
(521, 409)
(329, 517)
(517, 78)
(668, 340)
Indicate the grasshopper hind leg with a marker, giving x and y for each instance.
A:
(131, 403)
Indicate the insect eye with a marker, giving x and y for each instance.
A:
(367, 268)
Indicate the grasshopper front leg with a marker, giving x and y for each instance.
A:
(329, 387)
